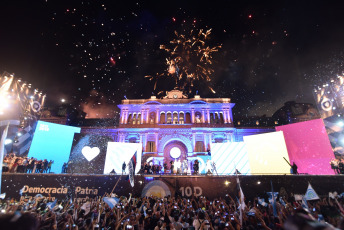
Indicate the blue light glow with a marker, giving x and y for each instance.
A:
(52, 142)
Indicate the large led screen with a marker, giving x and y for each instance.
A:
(230, 156)
(52, 142)
(266, 153)
(119, 152)
(88, 154)
(309, 146)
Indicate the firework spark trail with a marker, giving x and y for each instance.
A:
(190, 60)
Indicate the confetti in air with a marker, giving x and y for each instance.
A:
(189, 61)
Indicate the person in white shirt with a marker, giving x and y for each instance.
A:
(201, 221)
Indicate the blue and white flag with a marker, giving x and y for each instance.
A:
(341, 195)
(304, 203)
(132, 166)
(282, 201)
(311, 194)
(51, 205)
(274, 196)
(21, 191)
(111, 201)
(2, 196)
(270, 196)
(262, 202)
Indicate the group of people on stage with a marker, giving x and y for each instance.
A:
(21, 164)
(337, 165)
(175, 167)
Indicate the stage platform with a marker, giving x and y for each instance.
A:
(81, 186)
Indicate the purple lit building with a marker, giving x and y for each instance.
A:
(178, 126)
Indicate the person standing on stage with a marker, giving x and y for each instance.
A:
(172, 166)
(123, 167)
(294, 167)
(209, 167)
(196, 166)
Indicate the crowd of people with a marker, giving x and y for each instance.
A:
(170, 213)
(24, 164)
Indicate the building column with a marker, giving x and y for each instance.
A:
(126, 117)
(209, 139)
(142, 114)
(156, 142)
(147, 116)
(208, 116)
(229, 116)
(121, 116)
(225, 118)
(192, 115)
(157, 118)
(145, 141)
(203, 116)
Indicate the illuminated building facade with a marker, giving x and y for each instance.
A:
(178, 126)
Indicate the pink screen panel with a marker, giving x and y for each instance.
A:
(308, 146)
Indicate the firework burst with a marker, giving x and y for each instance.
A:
(189, 61)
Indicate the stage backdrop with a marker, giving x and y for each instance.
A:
(266, 152)
(88, 153)
(119, 152)
(230, 156)
(309, 146)
(52, 142)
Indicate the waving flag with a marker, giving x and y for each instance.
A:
(262, 202)
(132, 166)
(51, 205)
(270, 196)
(311, 194)
(282, 201)
(273, 200)
(111, 201)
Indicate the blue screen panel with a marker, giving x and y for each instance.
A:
(52, 142)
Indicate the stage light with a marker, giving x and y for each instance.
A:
(258, 182)
(8, 141)
(63, 100)
(340, 123)
(227, 182)
(175, 152)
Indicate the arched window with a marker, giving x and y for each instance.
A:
(134, 118)
(175, 118)
(181, 118)
(138, 119)
(187, 118)
(132, 140)
(152, 118)
(217, 118)
(212, 118)
(169, 118)
(222, 120)
(130, 117)
(198, 117)
(162, 118)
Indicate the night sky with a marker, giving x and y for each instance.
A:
(98, 52)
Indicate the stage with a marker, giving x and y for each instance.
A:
(81, 186)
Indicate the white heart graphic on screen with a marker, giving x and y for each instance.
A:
(90, 153)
